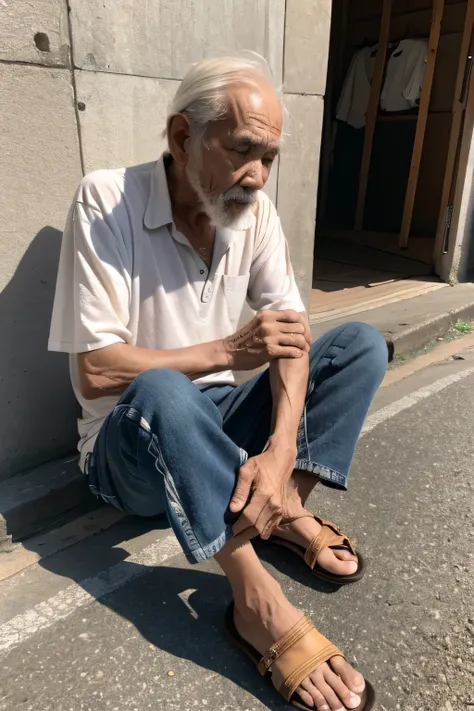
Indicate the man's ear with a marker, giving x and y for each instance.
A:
(179, 138)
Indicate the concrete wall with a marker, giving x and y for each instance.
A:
(85, 85)
(457, 264)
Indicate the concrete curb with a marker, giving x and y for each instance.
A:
(28, 501)
(31, 500)
(417, 336)
(411, 324)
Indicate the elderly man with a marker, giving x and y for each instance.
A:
(157, 262)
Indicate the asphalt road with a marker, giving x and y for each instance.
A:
(121, 622)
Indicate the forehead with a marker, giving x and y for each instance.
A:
(254, 111)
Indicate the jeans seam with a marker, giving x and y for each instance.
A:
(302, 439)
(106, 497)
(172, 493)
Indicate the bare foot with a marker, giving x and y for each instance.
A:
(303, 530)
(264, 619)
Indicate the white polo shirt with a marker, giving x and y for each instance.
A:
(127, 275)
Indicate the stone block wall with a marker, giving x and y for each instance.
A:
(85, 85)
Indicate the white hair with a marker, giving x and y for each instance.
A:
(202, 94)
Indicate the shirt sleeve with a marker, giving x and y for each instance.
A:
(272, 283)
(347, 92)
(92, 301)
(414, 84)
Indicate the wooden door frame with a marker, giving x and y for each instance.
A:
(421, 123)
(458, 153)
(450, 265)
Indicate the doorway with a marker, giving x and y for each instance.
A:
(398, 78)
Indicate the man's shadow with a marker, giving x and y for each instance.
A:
(36, 399)
(178, 609)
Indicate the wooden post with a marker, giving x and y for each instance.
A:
(433, 42)
(372, 111)
(456, 126)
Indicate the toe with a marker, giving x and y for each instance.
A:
(306, 696)
(350, 561)
(339, 562)
(317, 699)
(349, 699)
(332, 699)
(351, 678)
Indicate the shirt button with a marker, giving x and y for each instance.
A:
(201, 271)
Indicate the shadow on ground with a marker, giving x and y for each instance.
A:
(179, 610)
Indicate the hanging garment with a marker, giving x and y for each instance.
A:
(404, 76)
(355, 94)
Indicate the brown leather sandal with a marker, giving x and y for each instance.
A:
(299, 653)
(329, 536)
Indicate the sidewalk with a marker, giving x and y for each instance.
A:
(412, 323)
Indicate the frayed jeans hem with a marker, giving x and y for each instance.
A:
(329, 477)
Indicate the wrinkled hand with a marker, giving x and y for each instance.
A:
(268, 336)
(262, 490)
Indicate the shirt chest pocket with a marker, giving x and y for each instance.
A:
(235, 291)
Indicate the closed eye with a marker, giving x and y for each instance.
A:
(269, 159)
(242, 151)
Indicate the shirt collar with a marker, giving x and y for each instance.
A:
(158, 212)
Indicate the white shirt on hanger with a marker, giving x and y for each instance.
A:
(404, 76)
(355, 94)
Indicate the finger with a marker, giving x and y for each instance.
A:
(268, 529)
(243, 523)
(270, 517)
(268, 520)
(250, 514)
(306, 327)
(288, 316)
(285, 352)
(291, 327)
(246, 535)
(242, 489)
(292, 339)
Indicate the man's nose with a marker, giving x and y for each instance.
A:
(255, 177)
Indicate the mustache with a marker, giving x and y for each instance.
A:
(240, 194)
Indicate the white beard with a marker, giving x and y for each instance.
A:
(216, 210)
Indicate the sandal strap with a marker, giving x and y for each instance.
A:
(325, 538)
(298, 631)
(327, 650)
(347, 541)
(302, 642)
(329, 535)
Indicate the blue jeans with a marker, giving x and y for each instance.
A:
(171, 446)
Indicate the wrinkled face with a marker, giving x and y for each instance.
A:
(234, 159)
